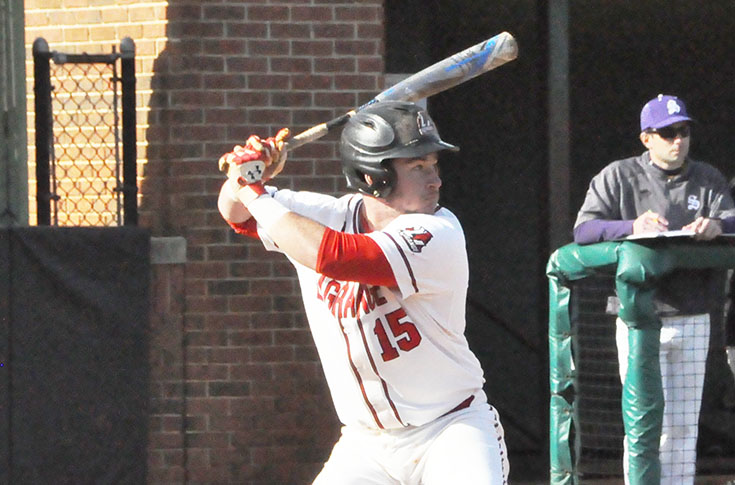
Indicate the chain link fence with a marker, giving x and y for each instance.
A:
(85, 137)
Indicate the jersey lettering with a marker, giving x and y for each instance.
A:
(406, 334)
(346, 299)
(388, 352)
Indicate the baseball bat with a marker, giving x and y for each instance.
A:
(445, 74)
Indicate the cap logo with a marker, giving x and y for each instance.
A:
(673, 107)
(424, 123)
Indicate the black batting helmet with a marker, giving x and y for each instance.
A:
(380, 132)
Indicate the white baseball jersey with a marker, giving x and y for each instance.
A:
(392, 357)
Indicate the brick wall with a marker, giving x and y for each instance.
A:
(237, 390)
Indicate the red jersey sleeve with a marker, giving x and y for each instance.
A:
(353, 257)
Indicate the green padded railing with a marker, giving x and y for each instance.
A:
(637, 267)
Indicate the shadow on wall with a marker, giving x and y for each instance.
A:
(249, 414)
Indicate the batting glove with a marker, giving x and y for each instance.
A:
(259, 160)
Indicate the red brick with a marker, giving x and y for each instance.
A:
(268, 47)
(256, 269)
(230, 355)
(179, 12)
(202, 305)
(224, 46)
(227, 253)
(290, 30)
(340, 65)
(250, 30)
(206, 339)
(250, 337)
(316, 48)
(266, 287)
(293, 337)
(360, 14)
(273, 321)
(268, 13)
(318, 184)
(370, 31)
(306, 14)
(357, 47)
(310, 117)
(209, 475)
(223, 12)
(206, 270)
(166, 440)
(250, 372)
(291, 65)
(274, 353)
(211, 372)
(268, 81)
(291, 99)
(224, 116)
(334, 31)
(166, 474)
(313, 82)
(274, 116)
(207, 406)
(357, 81)
(370, 64)
(247, 64)
(228, 389)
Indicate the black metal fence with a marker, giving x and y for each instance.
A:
(86, 173)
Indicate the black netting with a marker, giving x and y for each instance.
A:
(599, 427)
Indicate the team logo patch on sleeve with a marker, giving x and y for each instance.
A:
(416, 237)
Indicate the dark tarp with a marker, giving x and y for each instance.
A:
(74, 348)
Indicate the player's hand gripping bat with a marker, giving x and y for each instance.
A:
(445, 74)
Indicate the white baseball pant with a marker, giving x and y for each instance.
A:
(683, 357)
(466, 446)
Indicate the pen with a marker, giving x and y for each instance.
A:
(655, 219)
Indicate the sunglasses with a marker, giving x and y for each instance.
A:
(670, 132)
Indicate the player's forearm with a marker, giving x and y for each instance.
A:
(297, 236)
(231, 209)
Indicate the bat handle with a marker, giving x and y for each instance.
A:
(318, 131)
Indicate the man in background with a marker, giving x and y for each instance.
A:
(663, 190)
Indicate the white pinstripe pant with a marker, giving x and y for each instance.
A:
(465, 447)
(683, 357)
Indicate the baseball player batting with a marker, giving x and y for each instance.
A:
(384, 277)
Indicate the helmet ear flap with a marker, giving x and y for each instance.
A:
(383, 185)
(377, 183)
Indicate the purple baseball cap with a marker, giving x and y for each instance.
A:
(663, 110)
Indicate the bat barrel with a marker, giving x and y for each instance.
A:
(460, 67)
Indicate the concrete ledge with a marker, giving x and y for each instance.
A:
(168, 250)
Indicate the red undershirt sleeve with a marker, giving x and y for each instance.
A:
(247, 228)
(353, 257)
